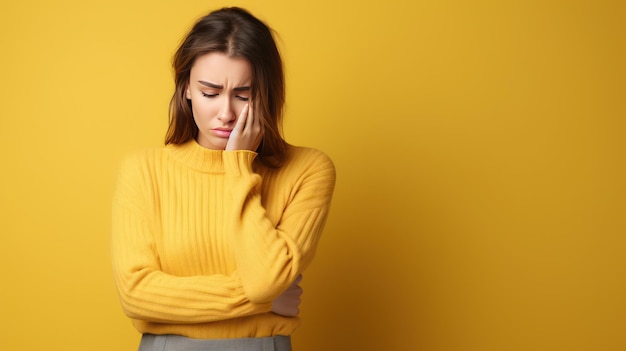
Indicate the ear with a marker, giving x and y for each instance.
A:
(187, 92)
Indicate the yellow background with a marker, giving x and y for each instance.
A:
(480, 203)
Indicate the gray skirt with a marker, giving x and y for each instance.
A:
(150, 342)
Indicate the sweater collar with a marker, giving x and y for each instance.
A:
(197, 157)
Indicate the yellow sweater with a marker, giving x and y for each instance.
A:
(203, 240)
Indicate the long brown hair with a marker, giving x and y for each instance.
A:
(236, 33)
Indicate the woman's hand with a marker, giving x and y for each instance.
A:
(287, 303)
(248, 131)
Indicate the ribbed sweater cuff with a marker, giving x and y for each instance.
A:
(238, 162)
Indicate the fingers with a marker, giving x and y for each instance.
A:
(250, 118)
(243, 118)
(248, 121)
(248, 132)
(298, 280)
(256, 120)
(253, 122)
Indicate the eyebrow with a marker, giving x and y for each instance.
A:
(216, 86)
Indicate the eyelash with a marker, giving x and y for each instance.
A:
(214, 95)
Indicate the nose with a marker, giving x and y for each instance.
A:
(226, 113)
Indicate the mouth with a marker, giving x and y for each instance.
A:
(222, 132)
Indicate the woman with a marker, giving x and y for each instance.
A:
(212, 232)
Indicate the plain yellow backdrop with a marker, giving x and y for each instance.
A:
(480, 202)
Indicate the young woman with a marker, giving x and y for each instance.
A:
(212, 232)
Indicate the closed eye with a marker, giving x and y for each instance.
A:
(207, 95)
(242, 98)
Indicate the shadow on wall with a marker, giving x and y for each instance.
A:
(372, 280)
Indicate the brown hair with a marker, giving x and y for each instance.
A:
(236, 33)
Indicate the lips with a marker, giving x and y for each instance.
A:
(222, 132)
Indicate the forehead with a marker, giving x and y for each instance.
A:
(220, 68)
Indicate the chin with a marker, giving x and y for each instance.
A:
(220, 147)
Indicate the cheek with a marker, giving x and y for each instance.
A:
(203, 108)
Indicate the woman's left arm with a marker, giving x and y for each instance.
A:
(270, 258)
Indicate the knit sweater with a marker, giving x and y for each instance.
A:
(203, 240)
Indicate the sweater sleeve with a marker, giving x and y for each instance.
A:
(146, 292)
(269, 258)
